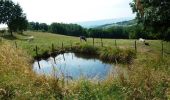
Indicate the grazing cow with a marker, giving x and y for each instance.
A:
(141, 40)
(83, 38)
(144, 41)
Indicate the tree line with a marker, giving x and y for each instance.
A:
(77, 30)
(151, 23)
(117, 32)
(58, 28)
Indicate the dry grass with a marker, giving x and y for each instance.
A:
(18, 81)
(147, 77)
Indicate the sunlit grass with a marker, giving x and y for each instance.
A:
(45, 41)
(147, 77)
(18, 81)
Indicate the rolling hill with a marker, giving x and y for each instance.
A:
(122, 23)
(92, 24)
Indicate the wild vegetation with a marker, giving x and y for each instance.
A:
(18, 81)
(147, 75)
(147, 78)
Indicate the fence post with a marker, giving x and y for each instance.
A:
(93, 41)
(135, 46)
(101, 42)
(115, 44)
(62, 45)
(162, 49)
(16, 44)
(52, 48)
(36, 49)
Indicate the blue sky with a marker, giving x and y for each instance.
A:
(70, 11)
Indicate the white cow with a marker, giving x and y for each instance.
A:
(141, 40)
(144, 41)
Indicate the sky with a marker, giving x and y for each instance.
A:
(70, 11)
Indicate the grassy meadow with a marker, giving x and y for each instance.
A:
(45, 40)
(148, 75)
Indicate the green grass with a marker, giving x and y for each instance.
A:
(18, 81)
(45, 41)
(148, 76)
(109, 52)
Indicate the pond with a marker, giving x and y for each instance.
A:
(74, 66)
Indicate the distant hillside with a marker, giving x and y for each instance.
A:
(130, 22)
(92, 24)
(121, 23)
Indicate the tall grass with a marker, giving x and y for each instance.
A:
(147, 78)
(86, 49)
(83, 90)
(144, 82)
(117, 55)
(18, 81)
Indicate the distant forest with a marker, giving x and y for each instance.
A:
(120, 30)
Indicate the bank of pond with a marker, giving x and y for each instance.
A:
(82, 61)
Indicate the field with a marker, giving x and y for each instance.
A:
(148, 75)
(45, 40)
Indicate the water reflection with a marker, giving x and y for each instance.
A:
(74, 66)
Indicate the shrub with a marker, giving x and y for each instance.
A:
(117, 55)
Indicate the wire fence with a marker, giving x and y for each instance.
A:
(162, 47)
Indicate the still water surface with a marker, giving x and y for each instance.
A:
(74, 66)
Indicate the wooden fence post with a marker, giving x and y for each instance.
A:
(93, 41)
(101, 42)
(162, 49)
(62, 45)
(115, 44)
(16, 44)
(135, 46)
(52, 48)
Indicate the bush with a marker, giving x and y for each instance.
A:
(86, 49)
(117, 55)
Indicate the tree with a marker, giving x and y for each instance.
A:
(18, 24)
(12, 15)
(153, 14)
(22, 24)
(43, 27)
(67, 29)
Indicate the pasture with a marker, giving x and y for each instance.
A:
(45, 40)
(147, 78)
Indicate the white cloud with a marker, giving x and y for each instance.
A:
(74, 10)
